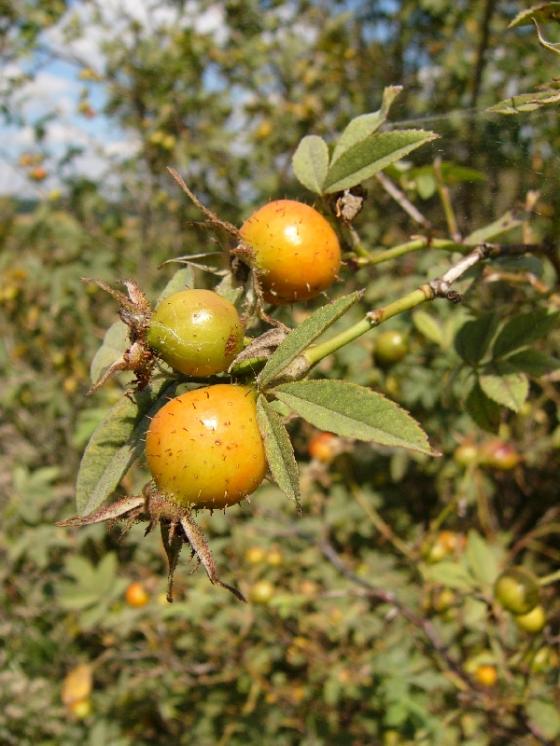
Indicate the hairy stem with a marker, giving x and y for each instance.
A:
(440, 287)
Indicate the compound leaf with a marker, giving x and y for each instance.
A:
(474, 337)
(484, 411)
(353, 411)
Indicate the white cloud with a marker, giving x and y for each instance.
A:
(13, 181)
(56, 88)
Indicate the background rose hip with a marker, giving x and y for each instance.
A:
(323, 447)
(261, 592)
(499, 455)
(517, 590)
(533, 621)
(391, 347)
(136, 595)
(486, 675)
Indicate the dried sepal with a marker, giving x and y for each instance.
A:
(135, 312)
(176, 524)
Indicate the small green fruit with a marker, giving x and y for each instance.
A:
(517, 590)
(262, 592)
(466, 454)
(390, 347)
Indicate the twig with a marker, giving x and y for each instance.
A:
(401, 199)
(388, 597)
(212, 217)
(440, 287)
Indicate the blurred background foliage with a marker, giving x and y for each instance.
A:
(224, 92)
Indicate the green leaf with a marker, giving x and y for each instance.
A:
(372, 155)
(311, 162)
(544, 717)
(502, 225)
(526, 102)
(114, 445)
(484, 411)
(74, 597)
(542, 12)
(181, 280)
(481, 559)
(474, 613)
(450, 574)
(115, 342)
(279, 451)
(425, 185)
(524, 329)
(366, 124)
(80, 569)
(506, 388)
(306, 333)
(473, 338)
(353, 411)
(106, 573)
(428, 326)
(533, 362)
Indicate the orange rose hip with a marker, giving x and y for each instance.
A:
(204, 448)
(294, 248)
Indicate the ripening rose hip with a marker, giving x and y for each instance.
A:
(499, 455)
(204, 448)
(197, 332)
(136, 595)
(294, 248)
(486, 675)
(323, 447)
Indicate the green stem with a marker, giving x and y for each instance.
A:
(443, 192)
(445, 244)
(370, 321)
(548, 579)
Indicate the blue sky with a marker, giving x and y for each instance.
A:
(57, 87)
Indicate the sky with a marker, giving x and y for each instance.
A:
(56, 89)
